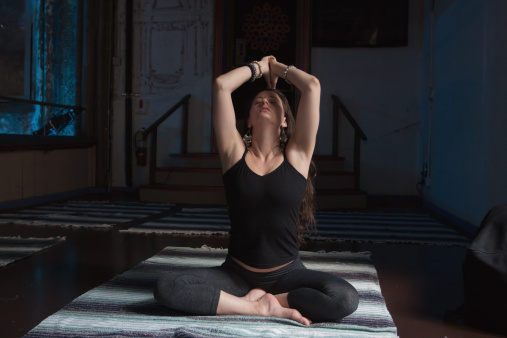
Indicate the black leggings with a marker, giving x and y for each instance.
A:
(317, 295)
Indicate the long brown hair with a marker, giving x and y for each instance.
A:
(306, 219)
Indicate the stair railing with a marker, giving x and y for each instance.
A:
(359, 135)
(153, 132)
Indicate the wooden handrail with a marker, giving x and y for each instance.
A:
(161, 119)
(152, 131)
(358, 136)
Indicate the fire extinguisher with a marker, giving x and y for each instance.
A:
(141, 152)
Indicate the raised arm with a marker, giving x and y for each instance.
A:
(300, 148)
(229, 142)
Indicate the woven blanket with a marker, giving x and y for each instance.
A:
(336, 226)
(16, 248)
(125, 307)
(84, 213)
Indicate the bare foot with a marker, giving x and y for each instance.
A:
(270, 307)
(254, 295)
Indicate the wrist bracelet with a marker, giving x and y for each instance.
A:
(260, 68)
(285, 73)
(254, 71)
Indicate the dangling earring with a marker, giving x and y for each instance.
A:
(247, 138)
(283, 139)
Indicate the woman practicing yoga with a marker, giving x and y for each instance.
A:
(269, 199)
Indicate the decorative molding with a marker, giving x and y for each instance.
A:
(174, 38)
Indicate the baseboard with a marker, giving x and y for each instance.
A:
(463, 225)
(36, 200)
(393, 200)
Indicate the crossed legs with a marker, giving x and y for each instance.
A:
(302, 295)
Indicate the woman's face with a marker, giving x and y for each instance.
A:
(267, 105)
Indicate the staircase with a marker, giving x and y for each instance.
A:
(335, 188)
(196, 179)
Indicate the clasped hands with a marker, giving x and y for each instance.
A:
(267, 65)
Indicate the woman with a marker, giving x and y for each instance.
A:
(265, 179)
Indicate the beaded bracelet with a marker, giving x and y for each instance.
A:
(260, 68)
(285, 73)
(254, 71)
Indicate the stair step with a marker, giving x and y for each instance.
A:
(207, 160)
(215, 196)
(212, 177)
(328, 163)
(340, 199)
(338, 180)
(196, 160)
(192, 195)
(196, 179)
(207, 177)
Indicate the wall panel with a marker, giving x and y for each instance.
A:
(35, 173)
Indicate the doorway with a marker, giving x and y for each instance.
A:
(248, 30)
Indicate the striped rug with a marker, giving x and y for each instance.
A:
(16, 248)
(370, 227)
(84, 213)
(124, 306)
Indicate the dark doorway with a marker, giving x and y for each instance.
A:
(248, 30)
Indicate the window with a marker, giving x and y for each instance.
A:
(41, 57)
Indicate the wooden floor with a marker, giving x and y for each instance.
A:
(420, 283)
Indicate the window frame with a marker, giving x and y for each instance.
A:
(29, 141)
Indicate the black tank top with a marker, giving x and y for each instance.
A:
(264, 212)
